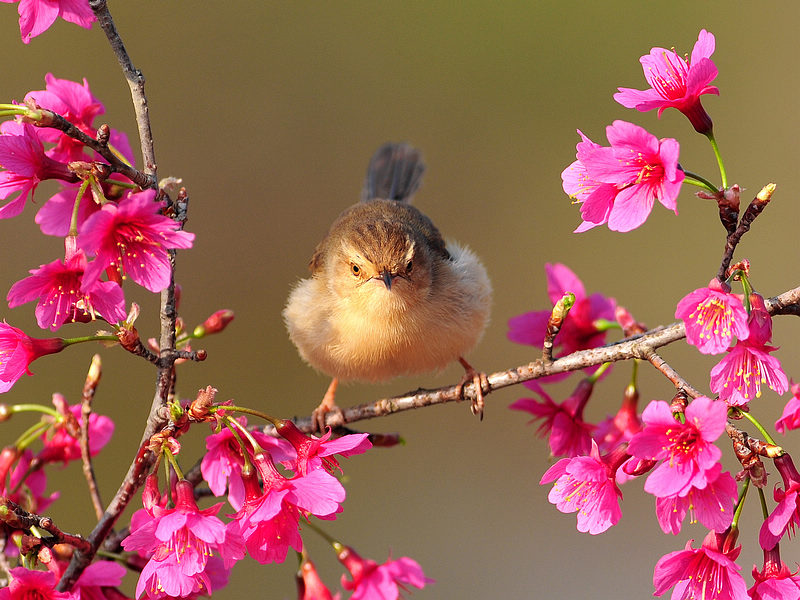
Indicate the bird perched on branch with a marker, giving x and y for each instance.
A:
(387, 295)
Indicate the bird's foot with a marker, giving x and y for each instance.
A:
(482, 387)
(328, 405)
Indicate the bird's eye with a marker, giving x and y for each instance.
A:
(409, 266)
(355, 270)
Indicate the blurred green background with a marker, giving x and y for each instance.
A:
(269, 112)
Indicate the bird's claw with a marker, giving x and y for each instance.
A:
(482, 387)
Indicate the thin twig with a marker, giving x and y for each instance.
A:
(15, 517)
(758, 204)
(89, 389)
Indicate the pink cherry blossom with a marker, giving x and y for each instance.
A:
(687, 450)
(586, 485)
(60, 445)
(709, 572)
(76, 103)
(713, 316)
(63, 295)
(269, 519)
(313, 452)
(775, 581)
(674, 82)
(712, 505)
(579, 330)
(26, 165)
(618, 185)
(54, 217)
(371, 581)
(790, 419)
(133, 237)
(18, 351)
(785, 517)
(221, 465)
(621, 427)
(738, 377)
(28, 585)
(179, 542)
(36, 16)
(569, 434)
(24, 485)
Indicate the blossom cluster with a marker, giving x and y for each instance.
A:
(675, 444)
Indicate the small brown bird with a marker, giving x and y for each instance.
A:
(387, 295)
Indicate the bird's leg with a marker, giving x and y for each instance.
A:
(481, 387)
(327, 405)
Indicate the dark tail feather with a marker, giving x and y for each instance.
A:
(394, 173)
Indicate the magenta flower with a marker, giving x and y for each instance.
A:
(372, 581)
(579, 330)
(59, 445)
(790, 419)
(708, 572)
(676, 83)
(63, 295)
(76, 103)
(313, 452)
(569, 434)
(26, 165)
(180, 541)
(28, 585)
(618, 185)
(92, 582)
(221, 465)
(586, 485)
(36, 16)
(269, 519)
(712, 505)
(785, 517)
(133, 237)
(18, 351)
(713, 316)
(621, 427)
(53, 218)
(738, 377)
(775, 581)
(24, 485)
(686, 449)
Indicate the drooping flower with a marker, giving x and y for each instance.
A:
(313, 453)
(709, 572)
(63, 296)
(579, 330)
(25, 584)
(132, 237)
(36, 16)
(371, 581)
(674, 82)
(268, 521)
(569, 435)
(586, 485)
(621, 427)
(618, 185)
(785, 517)
(713, 316)
(180, 541)
(687, 450)
(790, 419)
(712, 505)
(26, 165)
(738, 377)
(60, 445)
(775, 581)
(24, 485)
(18, 351)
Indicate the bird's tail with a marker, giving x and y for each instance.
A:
(394, 173)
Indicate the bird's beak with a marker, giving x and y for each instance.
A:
(386, 277)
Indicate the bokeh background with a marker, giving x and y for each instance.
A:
(269, 112)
